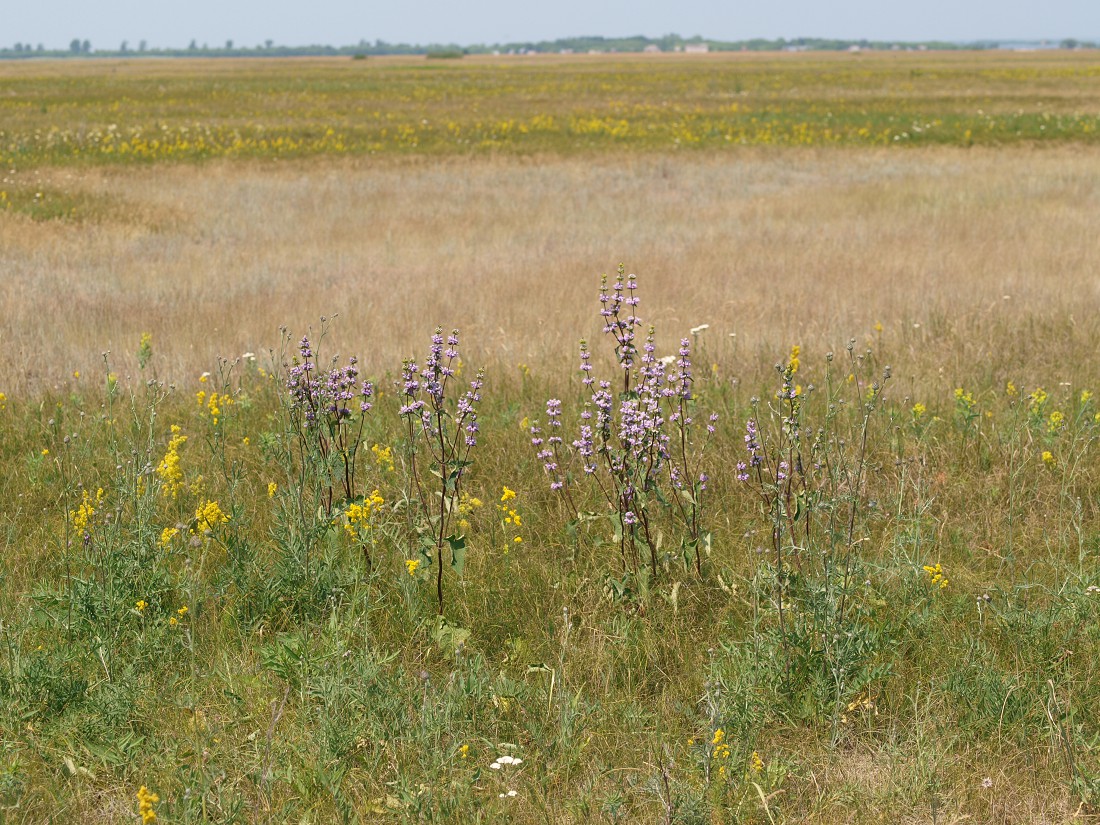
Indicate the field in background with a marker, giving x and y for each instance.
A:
(777, 201)
(75, 112)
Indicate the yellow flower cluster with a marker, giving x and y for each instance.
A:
(964, 399)
(271, 488)
(166, 536)
(511, 520)
(359, 518)
(3, 402)
(207, 517)
(1037, 400)
(466, 505)
(383, 457)
(793, 362)
(756, 763)
(936, 574)
(81, 517)
(720, 751)
(147, 801)
(1048, 458)
(919, 410)
(412, 565)
(180, 614)
(169, 469)
(213, 404)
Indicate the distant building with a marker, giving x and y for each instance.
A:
(696, 48)
(651, 48)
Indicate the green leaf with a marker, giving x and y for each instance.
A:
(449, 637)
(458, 552)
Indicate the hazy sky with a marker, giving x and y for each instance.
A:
(340, 22)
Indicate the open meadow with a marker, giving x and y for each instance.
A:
(805, 530)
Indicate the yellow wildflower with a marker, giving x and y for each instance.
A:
(964, 399)
(383, 457)
(1086, 397)
(81, 517)
(140, 605)
(169, 470)
(359, 517)
(208, 517)
(412, 565)
(1036, 400)
(3, 402)
(464, 751)
(1048, 458)
(166, 536)
(1010, 389)
(271, 488)
(935, 572)
(507, 495)
(1056, 421)
(756, 763)
(147, 800)
(919, 410)
(794, 362)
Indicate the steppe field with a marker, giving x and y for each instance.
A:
(807, 529)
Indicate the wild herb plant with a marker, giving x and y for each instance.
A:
(637, 448)
(441, 431)
(324, 413)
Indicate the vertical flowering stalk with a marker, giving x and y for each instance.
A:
(442, 432)
(329, 409)
(635, 448)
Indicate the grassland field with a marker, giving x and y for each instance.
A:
(871, 594)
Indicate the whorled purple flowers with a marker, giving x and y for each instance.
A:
(638, 448)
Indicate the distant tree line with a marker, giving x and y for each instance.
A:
(671, 42)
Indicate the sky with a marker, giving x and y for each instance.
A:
(106, 23)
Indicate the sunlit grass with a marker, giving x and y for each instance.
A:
(140, 111)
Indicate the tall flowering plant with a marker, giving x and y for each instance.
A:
(442, 430)
(328, 411)
(640, 449)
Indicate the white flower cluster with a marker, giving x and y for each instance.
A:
(501, 761)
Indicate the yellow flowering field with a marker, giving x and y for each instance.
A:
(142, 111)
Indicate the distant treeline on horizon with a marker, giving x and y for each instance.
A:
(568, 45)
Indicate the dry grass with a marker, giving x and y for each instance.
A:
(985, 250)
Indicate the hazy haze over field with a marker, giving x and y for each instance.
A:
(248, 22)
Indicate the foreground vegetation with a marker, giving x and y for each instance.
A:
(242, 595)
(855, 586)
